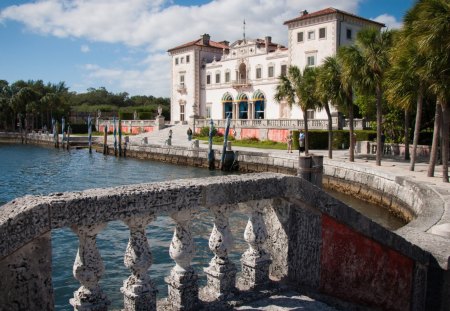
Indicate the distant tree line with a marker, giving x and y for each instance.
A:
(33, 104)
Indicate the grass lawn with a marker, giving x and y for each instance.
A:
(253, 143)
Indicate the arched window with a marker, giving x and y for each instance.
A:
(242, 77)
(227, 102)
(259, 102)
(242, 100)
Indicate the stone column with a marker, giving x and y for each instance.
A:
(88, 269)
(221, 272)
(182, 281)
(304, 167)
(138, 290)
(317, 170)
(255, 261)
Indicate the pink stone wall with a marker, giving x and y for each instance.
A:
(250, 133)
(278, 135)
(358, 269)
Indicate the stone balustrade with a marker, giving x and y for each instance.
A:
(295, 232)
(313, 124)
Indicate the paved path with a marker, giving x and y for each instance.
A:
(391, 165)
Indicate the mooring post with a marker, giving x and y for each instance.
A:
(90, 133)
(56, 134)
(115, 136)
(211, 160)
(63, 126)
(69, 130)
(225, 141)
(105, 139)
(120, 137)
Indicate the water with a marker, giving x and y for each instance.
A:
(26, 169)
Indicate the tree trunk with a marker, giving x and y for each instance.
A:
(379, 124)
(351, 126)
(434, 146)
(330, 131)
(407, 117)
(417, 128)
(305, 119)
(445, 139)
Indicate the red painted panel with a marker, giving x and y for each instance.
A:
(278, 135)
(358, 269)
(249, 133)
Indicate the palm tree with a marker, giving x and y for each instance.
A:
(405, 86)
(374, 47)
(297, 88)
(350, 61)
(330, 88)
(429, 21)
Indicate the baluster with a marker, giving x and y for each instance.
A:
(255, 260)
(182, 281)
(88, 269)
(221, 272)
(138, 289)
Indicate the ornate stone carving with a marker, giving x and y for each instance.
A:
(221, 272)
(88, 269)
(138, 289)
(255, 260)
(182, 281)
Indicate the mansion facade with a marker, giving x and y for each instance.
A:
(215, 79)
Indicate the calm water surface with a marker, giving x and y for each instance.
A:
(26, 169)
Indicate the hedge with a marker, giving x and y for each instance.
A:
(145, 115)
(126, 115)
(80, 128)
(319, 139)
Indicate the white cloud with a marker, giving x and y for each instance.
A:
(390, 21)
(158, 25)
(85, 48)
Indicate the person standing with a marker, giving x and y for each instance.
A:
(301, 142)
(189, 134)
(289, 142)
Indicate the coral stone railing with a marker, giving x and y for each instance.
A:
(313, 124)
(25, 220)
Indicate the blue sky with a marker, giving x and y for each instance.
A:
(122, 44)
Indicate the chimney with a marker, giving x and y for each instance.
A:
(268, 41)
(303, 13)
(205, 39)
(225, 42)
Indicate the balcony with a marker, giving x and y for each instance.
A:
(241, 83)
(181, 88)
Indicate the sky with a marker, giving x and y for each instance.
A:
(122, 44)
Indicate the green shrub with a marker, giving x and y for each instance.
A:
(145, 115)
(204, 131)
(80, 128)
(318, 139)
(126, 115)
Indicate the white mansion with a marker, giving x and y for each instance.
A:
(214, 79)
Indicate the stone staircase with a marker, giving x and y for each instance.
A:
(179, 136)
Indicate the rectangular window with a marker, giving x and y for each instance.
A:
(182, 113)
(311, 35)
(217, 77)
(208, 111)
(349, 34)
(187, 59)
(182, 80)
(300, 36)
(258, 73)
(310, 61)
(270, 72)
(283, 70)
(182, 60)
(227, 77)
(322, 33)
(208, 79)
(310, 114)
(176, 61)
